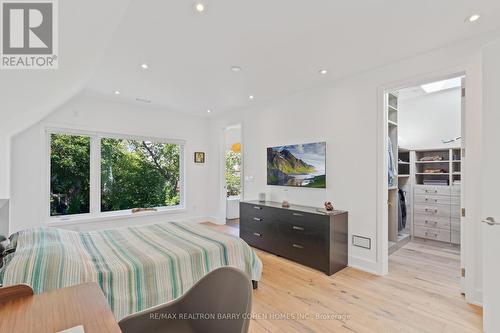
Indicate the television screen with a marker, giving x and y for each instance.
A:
(301, 165)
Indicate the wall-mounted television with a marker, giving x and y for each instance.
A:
(302, 165)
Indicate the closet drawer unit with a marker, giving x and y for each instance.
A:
(430, 211)
(441, 235)
(432, 222)
(455, 237)
(432, 190)
(432, 200)
(455, 211)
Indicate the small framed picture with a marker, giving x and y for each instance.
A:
(199, 157)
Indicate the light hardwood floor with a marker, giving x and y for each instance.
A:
(420, 294)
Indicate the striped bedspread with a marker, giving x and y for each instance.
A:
(136, 267)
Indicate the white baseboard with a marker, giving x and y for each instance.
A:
(216, 220)
(369, 266)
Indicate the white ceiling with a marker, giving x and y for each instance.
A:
(280, 44)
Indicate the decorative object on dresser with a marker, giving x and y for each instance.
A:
(299, 233)
(328, 206)
(262, 197)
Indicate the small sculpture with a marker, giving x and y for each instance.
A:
(285, 204)
(328, 206)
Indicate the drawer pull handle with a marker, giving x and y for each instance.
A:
(257, 234)
(297, 228)
(433, 235)
(431, 210)
(257, 219)
(257, 207)
(297, 246)
(297, 214)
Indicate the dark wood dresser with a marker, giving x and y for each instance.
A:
(298, 233)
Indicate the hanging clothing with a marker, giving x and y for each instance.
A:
(401, 210)
(391, 165)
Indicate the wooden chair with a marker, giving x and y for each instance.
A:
(225, 292)
(11, 293)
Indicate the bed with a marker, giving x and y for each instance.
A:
(136, 267)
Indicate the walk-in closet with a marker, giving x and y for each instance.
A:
(425, 163)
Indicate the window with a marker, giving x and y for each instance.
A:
(99, 173)
(69, 174)
(138, 174)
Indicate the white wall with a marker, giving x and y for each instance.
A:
(4, 165)
(346, 115)
(93, 113)
(424, 121)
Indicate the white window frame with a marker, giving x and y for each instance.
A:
(95, 177)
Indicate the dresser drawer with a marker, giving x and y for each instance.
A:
(257, 211)
(432, 222)
(261, 240)
(455, 237)
(301, 232)
(432, 233)
(303, 219)
(304, 252)
(432, 190)
(432, 200)
(428, 210)
(258, 225)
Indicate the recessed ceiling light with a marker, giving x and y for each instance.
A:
(473, 18)
(144, 66)
(199, 7)
(236, 68)
(251, 97)
(117, 92)
(143, 100)
(208, 111)
(323, 71)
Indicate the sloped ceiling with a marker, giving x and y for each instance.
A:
(85, 31)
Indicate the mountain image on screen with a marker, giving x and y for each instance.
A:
(297, 165)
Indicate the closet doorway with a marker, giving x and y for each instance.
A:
(425, 140)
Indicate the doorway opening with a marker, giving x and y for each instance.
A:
(233, 172)
(425, 199)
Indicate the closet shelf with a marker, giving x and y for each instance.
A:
(403, 176)
(426, 162)
(392, 123)
(401, 162)
(432, 174)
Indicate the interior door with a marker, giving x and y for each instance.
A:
(490, 205)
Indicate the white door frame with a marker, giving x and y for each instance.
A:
(222, 168)
(382, 177)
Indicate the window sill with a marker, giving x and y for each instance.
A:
(110, 216)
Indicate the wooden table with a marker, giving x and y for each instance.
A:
(59, 310)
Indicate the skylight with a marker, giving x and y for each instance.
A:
(442, 85)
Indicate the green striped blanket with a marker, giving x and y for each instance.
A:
(136, 267)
